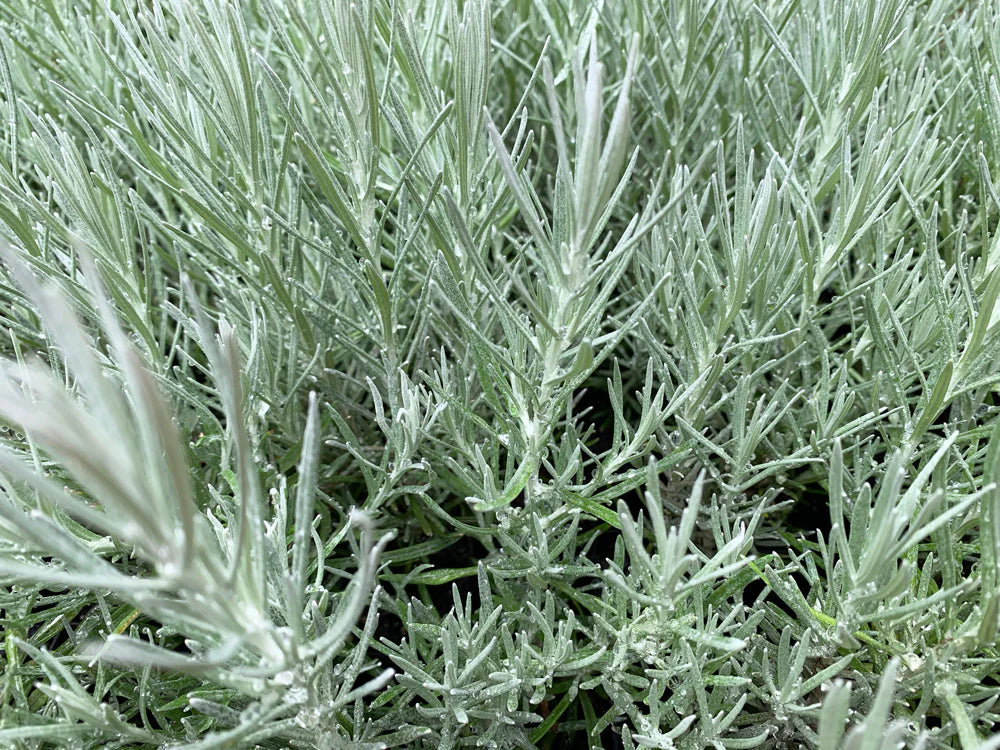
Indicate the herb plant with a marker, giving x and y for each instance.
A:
(525, 373)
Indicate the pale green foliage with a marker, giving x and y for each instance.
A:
(519, 373)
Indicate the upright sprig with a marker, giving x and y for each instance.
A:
(225, 584)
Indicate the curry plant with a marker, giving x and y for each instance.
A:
(501, 373)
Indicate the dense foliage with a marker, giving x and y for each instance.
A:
(543, 373)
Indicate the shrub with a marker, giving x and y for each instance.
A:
(537, 374)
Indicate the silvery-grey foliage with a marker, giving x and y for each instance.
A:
(510, 373)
